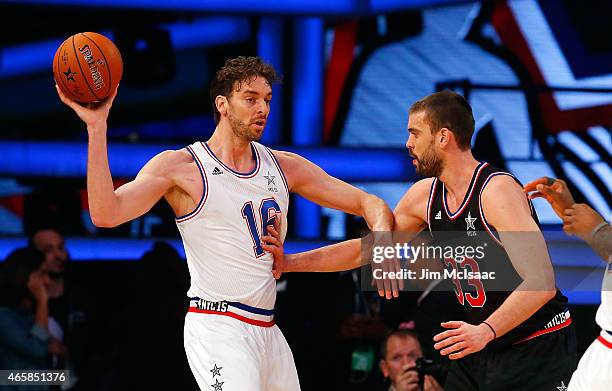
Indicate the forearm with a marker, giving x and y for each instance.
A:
(100, 189)
(517, 308)
(377, 214)
(601, 242)
(41, 316)
(336, 257)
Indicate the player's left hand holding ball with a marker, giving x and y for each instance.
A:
(462, 339)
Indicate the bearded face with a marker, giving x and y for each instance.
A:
(248, 108)
(241, 128)
(428, 164)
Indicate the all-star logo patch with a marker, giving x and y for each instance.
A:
(271, 184)
(469, 221)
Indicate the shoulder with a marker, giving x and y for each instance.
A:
(168, 161)
(505, 205)
(411, 210)
(419, 191)
(288, 159)
(502, 186)
(297, 169)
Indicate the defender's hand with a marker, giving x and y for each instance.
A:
(555, 191)
(580, 220)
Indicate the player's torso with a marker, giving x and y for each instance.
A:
(604, 312)
(466, 226)
(222, 235)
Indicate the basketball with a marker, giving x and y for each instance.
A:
(87, 67)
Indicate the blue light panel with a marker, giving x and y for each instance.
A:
(201, 32)
(270, 48)
(69, 159)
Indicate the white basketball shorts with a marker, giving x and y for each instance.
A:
(234, 347)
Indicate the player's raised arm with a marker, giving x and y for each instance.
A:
(409, 218)
(310, 181)
(109, 207)
(507, 209)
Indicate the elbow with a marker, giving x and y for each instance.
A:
(384, 220)
(551, 294)
(102, 222)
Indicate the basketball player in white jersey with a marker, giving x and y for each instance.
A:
(594, 372)
(227, 193)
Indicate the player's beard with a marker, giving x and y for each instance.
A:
(429, 164)
(241, 129)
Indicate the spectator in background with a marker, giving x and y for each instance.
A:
(594, 369)
(25, 341)
(65, 316)
(399, 353)
(52, 244)
(150, 329)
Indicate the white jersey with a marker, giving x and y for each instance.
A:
(222, 235)
(604, 312)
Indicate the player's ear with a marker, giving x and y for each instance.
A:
(444, 136)
(221, 104)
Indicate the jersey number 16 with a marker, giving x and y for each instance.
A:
(268, 208)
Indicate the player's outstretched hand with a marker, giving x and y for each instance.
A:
(272, 243)
(580, 220)
(92, 114)
(462, 339)
(555, 191)
(386, 272)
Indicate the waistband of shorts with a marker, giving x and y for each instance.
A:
(605, 337)
(242, 312)
(564, 321)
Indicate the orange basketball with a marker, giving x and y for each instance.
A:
(87, 67)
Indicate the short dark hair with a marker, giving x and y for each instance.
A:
(32, 233)
(238, 70)
(401, 333)
(448, 109)
(15, 273)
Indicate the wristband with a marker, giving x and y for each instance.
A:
(597, 229)
(494, 333)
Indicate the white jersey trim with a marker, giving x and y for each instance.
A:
(247, 175)
(200, 205)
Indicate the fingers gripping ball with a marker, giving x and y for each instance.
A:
(87, 67)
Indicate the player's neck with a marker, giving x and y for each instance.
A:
(233, 151)
(457, 173)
